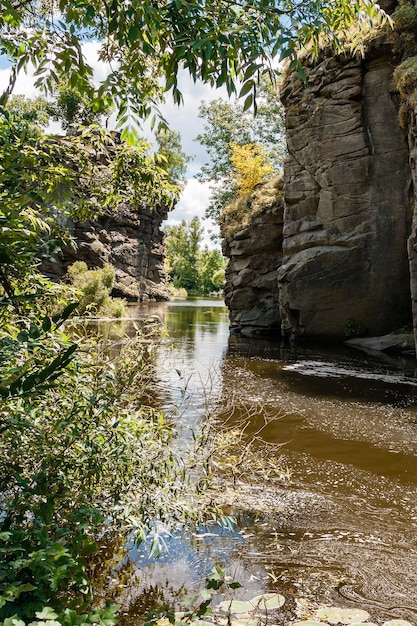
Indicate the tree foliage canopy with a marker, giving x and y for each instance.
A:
(72, 108)
(170, 148)
(146, 44)
(189, 266)
(226, 124)
(250, 167)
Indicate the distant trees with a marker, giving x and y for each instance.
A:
(175, 159)
(72, 108)
(197, 270)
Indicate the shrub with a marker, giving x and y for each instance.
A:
(93, 287)
(84, 456)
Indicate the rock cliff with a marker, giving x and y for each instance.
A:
(342, 264)
(129, 236)
(252, 240)
(347, 196)
(131, 240)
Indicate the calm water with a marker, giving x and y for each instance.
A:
(344, 530)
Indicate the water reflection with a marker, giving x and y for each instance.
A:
(345, 530)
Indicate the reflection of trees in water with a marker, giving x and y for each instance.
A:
(192, 324)
(186, 320)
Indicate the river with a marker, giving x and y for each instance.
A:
(344, 528)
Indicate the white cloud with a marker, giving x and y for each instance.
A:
(194, 200)
(24, 83)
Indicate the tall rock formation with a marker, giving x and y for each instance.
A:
(347, 265)
(130, 239)
(406, 80)
(347, 196)
(252, 240)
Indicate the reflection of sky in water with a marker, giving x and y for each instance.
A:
(186, 561)
(191, 356)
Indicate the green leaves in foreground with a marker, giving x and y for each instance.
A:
(147, 44)
(33, 359)
(264, 603)
(48, 617)
(259, 610)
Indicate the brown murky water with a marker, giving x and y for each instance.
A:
(344, 531)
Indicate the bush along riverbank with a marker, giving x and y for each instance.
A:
(86, 456)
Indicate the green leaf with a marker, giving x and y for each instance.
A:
(308, 622)
(46, 324)
(13, 621)
(335, 615)
(236, 606)
(90, 12)
(46, 613)
(5, 535)
(248, 103)
(248, 86)
(59, 318)
(133, 33)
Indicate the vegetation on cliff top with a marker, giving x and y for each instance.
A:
(242, 210)
(228, 131)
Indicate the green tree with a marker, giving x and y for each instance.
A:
(221, 42)
(175, 159)
(227, 124)
(72, 108)
(189, 266)
(182, 243)
(211, 270)
(31, 112)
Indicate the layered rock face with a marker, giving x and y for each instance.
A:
(347, 195)
(342, 265)
(129, 239)
(254, 251)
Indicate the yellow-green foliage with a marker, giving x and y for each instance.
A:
(251, 166)
(93, 288)
(241, 211)
(178, 293)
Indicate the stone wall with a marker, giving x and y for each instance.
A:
(343, 268)
(131, 240)
(411, 125)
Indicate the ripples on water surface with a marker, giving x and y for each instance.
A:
(344, 531)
